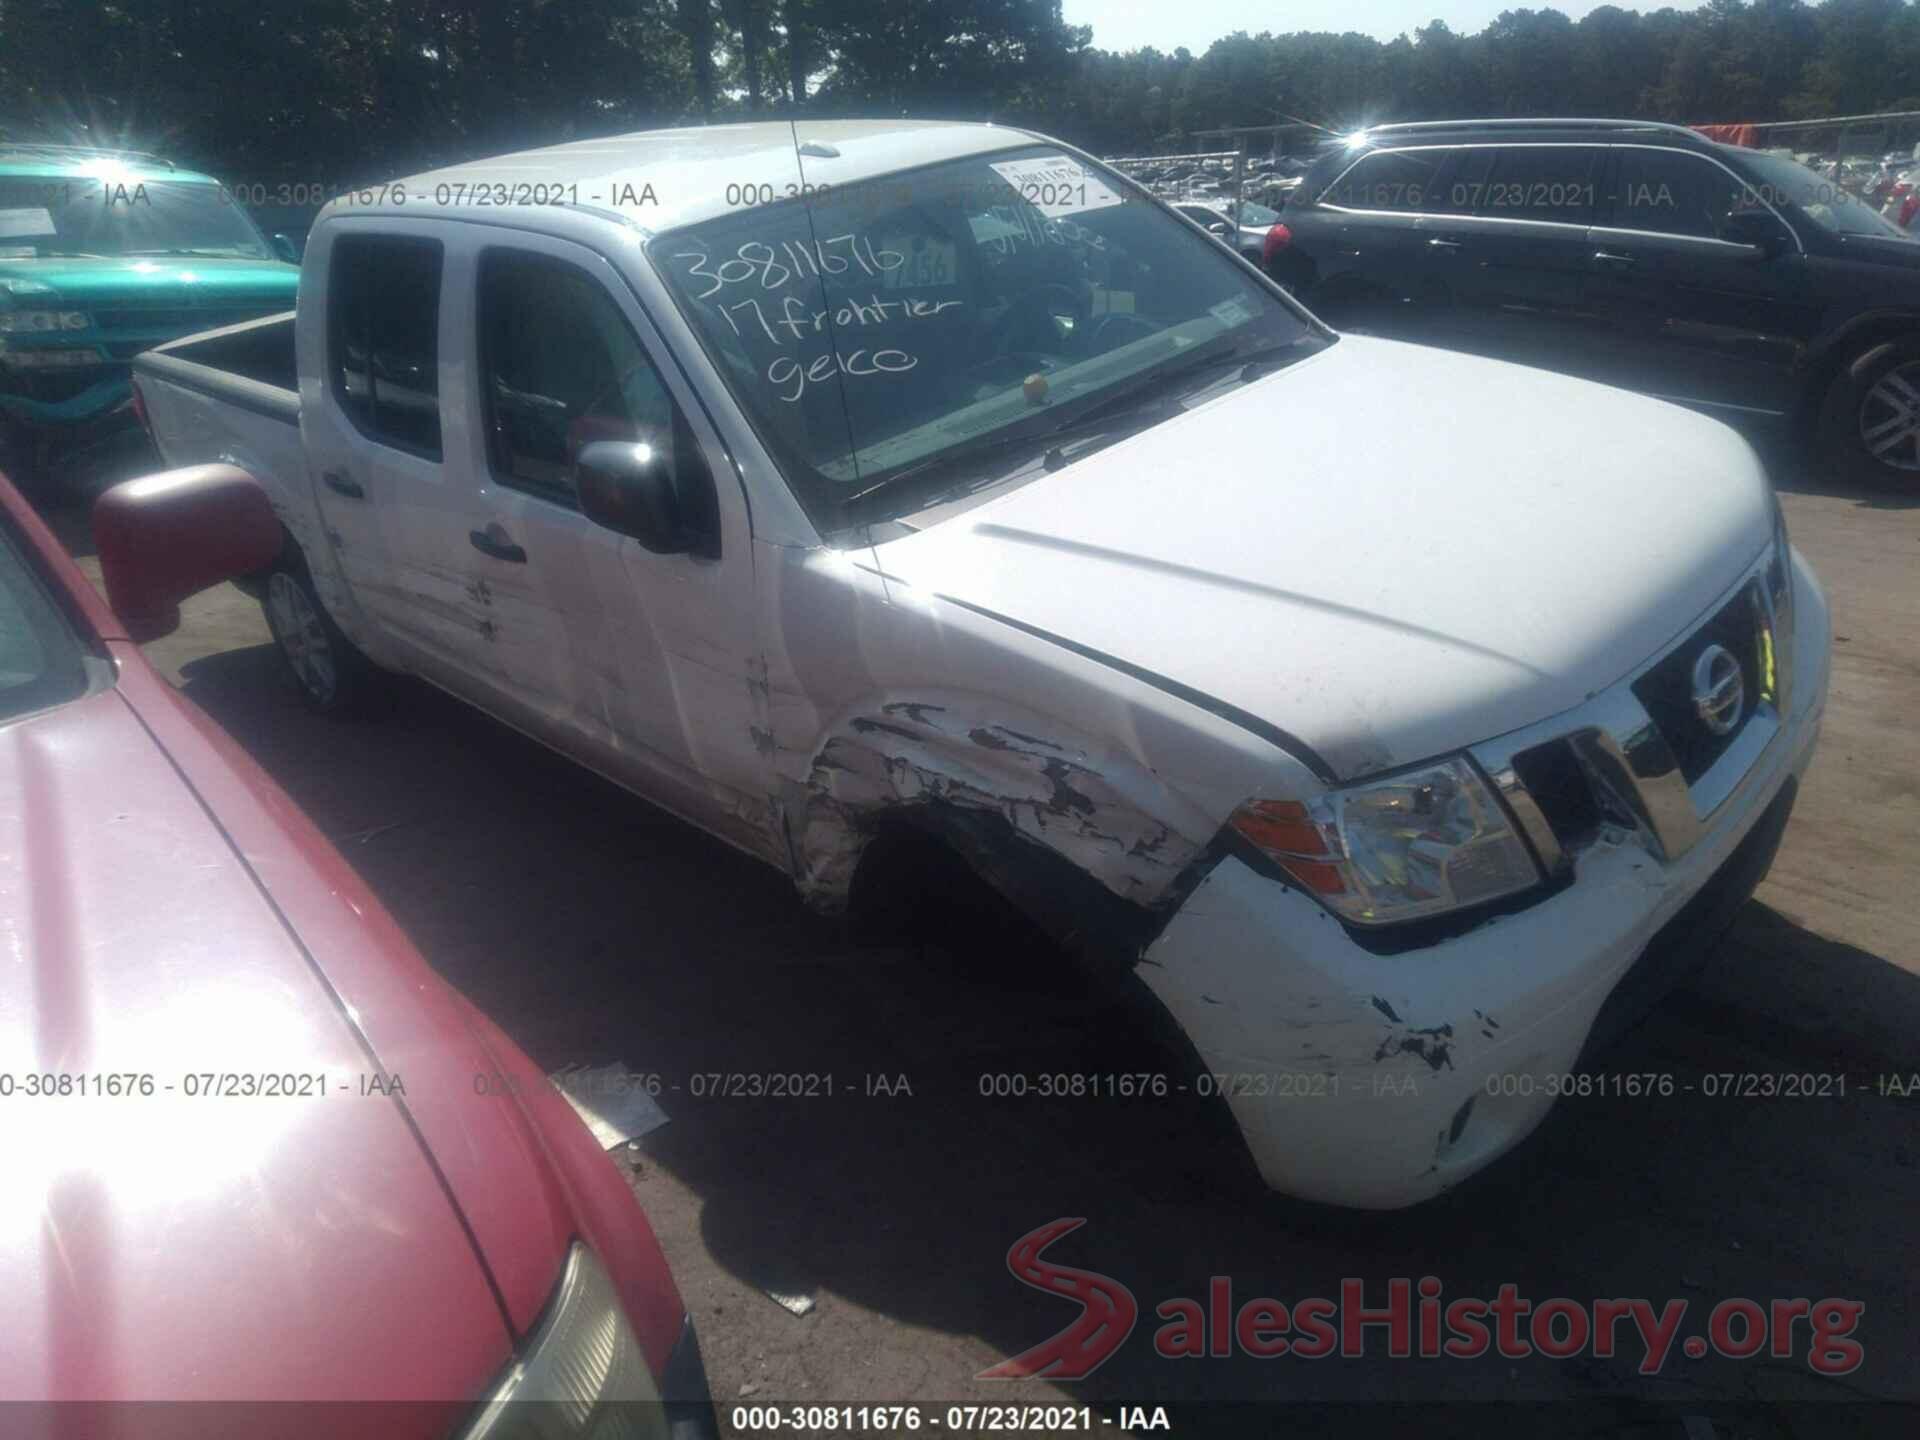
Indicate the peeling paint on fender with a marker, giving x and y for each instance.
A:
(1094, 810)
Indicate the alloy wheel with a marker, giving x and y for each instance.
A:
(302, 636)
(1890, 418)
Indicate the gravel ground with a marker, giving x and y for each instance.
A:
(595, 929)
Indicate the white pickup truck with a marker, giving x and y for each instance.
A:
(868, 488)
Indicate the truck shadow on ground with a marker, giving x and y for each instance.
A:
(593, 927)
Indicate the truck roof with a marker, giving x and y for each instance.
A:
(660, 179)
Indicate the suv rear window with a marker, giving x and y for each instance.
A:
(383, 299)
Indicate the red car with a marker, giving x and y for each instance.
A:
(251, 1147)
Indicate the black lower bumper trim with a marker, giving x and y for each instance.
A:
(1680, 949)
(683, 1385)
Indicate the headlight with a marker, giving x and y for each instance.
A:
(581, 1372)
(39, 322)
(1414, 844)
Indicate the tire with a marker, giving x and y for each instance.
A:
(24, 461)
(330, 673)
(1870, 425)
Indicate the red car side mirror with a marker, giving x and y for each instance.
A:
(164, 537)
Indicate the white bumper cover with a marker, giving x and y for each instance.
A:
(1349, 1072)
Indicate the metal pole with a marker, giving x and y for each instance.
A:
(1239, 179)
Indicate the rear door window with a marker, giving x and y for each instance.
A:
(1527, 182)
(384, 338)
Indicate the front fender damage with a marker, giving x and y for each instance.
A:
(1087, 843)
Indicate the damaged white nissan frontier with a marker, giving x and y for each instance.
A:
(1397, 717)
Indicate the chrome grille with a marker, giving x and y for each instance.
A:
(1630, 758)
(1667, 689)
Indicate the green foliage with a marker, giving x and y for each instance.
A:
(345, 91)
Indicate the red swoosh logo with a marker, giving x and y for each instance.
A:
(1107, 1311)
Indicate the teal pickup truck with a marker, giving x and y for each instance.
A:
(104, 254)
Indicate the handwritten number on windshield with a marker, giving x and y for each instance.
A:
(757, 258)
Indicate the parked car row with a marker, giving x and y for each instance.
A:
(1256, 235)
(1640, 255)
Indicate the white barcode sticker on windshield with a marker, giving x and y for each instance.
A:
(1231, 312)
(26, 222)
(1056, 186)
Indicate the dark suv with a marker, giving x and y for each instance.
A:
(1639, 254)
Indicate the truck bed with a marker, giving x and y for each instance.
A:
(231, 395)
(250, 365)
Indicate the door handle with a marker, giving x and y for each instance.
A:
(493, 541)
(1613, 257)
(341, 485)
(1436, 243)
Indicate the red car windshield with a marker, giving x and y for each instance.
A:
(40, 657)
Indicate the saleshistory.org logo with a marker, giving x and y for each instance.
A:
(1414, 1321)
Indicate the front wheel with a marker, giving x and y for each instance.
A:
(331, 674)
(1872, 419)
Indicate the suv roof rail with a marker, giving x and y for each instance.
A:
(1531, 123)
(37, 150)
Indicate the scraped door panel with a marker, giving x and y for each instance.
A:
(639, 664)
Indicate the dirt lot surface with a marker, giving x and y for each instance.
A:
(594, 928)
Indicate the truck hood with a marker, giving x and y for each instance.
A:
(180, 1245)
(1386, 550)
(145, 279)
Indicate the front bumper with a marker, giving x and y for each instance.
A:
(56, 399)
(1379, 1080)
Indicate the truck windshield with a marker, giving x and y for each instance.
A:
(40, 659)
(892, 338)
(87, 215)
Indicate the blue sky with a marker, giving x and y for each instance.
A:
(1196, 24)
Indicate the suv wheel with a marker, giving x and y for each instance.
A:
(331, 674)
(1872, 421)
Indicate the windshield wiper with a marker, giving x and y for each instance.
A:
(1255, 360)
(1046, 441)
(1130, 410)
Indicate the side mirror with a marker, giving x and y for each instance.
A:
(1220, 228)
(644, 489)
(1757, 228)
(164, 537)
(286, 247)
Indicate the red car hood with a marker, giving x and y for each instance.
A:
(183, 1245)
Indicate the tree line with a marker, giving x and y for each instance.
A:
(348, 91)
